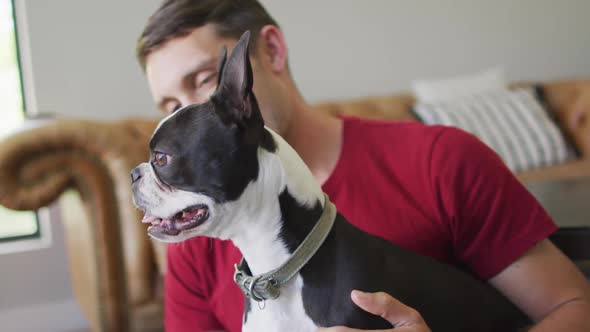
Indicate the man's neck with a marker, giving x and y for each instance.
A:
(317, 138)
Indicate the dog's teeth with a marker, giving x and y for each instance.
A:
(184, 214)
(148, 219)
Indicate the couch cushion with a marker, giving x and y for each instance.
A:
(512, 123)
(570, 100)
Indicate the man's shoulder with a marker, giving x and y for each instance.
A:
(363, 127)
(405, 135)
(412, 147)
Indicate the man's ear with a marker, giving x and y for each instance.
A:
(235, 82)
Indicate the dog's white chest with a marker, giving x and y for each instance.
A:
(283, 314)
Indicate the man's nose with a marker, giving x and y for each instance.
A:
(136, 175)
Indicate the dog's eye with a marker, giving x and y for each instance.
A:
(161, 159)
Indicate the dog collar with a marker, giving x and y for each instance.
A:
(267, 286)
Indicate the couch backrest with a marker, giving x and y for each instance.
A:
(394, 107)
(569, 100)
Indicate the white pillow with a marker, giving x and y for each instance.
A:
(434, 90)
(512, 123)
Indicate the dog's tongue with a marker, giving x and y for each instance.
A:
(180, 220)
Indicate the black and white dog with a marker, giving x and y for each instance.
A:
(217, 171)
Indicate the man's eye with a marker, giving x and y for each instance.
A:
(202, 81)
(171, 107)
(208, 79)
(161, 159)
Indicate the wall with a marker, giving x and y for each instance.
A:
(346, 48)
(35, 286)
(78, 60)
(84, 65)
(83, 57)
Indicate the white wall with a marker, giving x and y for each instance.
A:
(343, 48)
(74, 64)
(35, 288)
(83, 57)
(84, 65)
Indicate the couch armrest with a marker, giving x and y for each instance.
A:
(94, 158)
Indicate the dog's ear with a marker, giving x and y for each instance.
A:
(221, 64)
(235, 82)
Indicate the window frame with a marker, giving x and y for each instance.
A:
(35, 235)
(25, 244)
(41, 238)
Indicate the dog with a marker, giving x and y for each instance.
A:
(217, 171)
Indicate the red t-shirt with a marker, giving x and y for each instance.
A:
(436, 190)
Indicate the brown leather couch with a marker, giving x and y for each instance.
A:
(116, 270)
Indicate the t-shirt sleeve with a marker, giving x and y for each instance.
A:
(186, 306)
(491, 217)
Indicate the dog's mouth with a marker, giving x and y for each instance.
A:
(189, 218)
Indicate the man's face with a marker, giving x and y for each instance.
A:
(184, 71)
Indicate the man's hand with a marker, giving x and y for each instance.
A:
(402, 317)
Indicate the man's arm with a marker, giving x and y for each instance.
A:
(500, 231)
(543, 283)
(549, 288)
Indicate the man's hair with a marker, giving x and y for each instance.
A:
(177, 18)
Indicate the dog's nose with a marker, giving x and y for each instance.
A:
(135, 175)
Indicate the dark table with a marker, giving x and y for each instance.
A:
(568, 203)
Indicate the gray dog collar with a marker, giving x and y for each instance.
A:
(267, 286)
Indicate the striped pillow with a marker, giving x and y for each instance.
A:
(512, 123)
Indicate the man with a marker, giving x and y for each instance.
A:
(434, 190)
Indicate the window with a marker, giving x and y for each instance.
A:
(14, 225)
